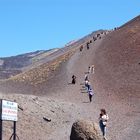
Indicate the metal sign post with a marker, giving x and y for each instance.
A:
(0, 120)
(0, 129)
(14, 131)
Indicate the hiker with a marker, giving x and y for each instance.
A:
(86, 77)
(81, 48)
(89, 69)
(94, 38)
(92, 69)
(73, 79)
(98, 35)
(90, 93)
(87, 45)
(103, 122)
(87, 85)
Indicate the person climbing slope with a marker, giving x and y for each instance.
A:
(91, 93)
(103, 122)
(92, 69)
(81, 48)
(88, 45)
(89, 69)
(86, 84)
(73, 79)
(86, 77)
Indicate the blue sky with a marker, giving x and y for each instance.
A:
(30, 25)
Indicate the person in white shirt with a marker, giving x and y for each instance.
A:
(103, 122)
(92, 69)
(89, 69)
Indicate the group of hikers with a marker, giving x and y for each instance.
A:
(95, 37)
(87, 46)
(87, 82)
(103, 117)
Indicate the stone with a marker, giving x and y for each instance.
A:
(85, 130)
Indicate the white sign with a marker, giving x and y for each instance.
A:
(9, 111)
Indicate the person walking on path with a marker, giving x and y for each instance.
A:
(91, 93)
(92, 69)
(73, 79)
(103, 122)
(86, 77)
(81, 48)
(89, 69)
(87, 45)
(87, 84)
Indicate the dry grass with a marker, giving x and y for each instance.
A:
(40, 74)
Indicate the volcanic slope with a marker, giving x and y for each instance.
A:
(116, 81)
(41, 67)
